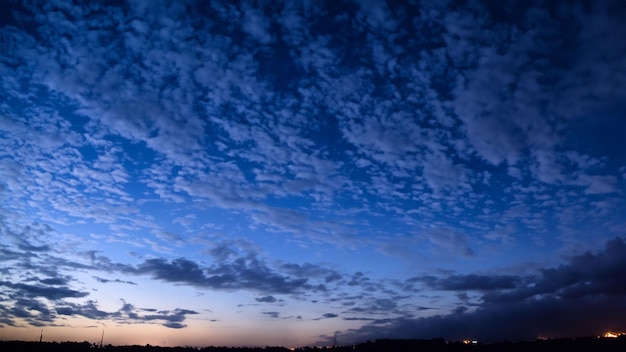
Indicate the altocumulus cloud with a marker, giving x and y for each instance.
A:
(224, 146)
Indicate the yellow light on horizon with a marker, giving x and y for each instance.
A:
(613, 335)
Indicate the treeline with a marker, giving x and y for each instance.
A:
(589, 344)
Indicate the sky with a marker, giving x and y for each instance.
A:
(294, 172)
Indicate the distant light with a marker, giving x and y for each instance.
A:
(468, 342)
(612, 334)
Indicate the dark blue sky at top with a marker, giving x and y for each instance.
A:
(390, 168)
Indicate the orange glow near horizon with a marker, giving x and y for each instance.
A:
(612, 334)
(199, 333)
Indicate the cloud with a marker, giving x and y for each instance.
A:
(470, 282)
(49, 292)
(38, 312)
(33, 311)
(598, 184)
(308, 270)
(172, 319)
(128, 314)
(449, 239)
(418, 108)
(256, 24)
(55, 281)
(579, 298)
(456, 127)
(88, 310)
(440, 173)
(105, 281)
(249, 273)
(266, 299)
(585, 275)
(272, 314)
(380, 306)
(8, 254)
(235, 266)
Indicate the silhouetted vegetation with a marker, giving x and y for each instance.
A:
(587, 344)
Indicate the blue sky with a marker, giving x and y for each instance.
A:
(278, 173)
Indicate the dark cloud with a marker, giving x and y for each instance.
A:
(585, 275)
(8, 254)
(178, 270)
(105, 281)
(358, 278)
(55, 281)
(26, 236)
(583, 297)
(526, 320)
(34, 311)
(88, 310)
(470, 282)
(327, 316)
(172, 319)
(247, 272)
(266, 299)
(272, 314)
(377, 305)
(27, 247)
(359, 319)
(128, 314)
(39, 305)
(51, 293)
(308, 270)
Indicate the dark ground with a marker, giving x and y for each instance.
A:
(588, 344)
